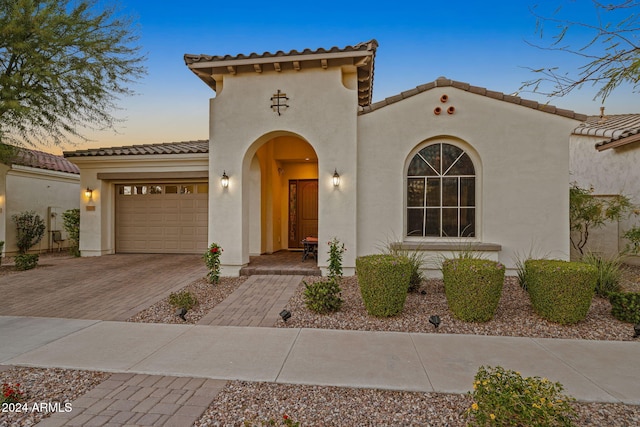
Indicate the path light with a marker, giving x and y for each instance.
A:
(636, 329)
(224, 181)
(434, 320)
(423, 292)
(285, 314)
(181, 312)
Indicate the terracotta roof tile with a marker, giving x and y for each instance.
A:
(362, 55)
(41, 160)
(444, 82)
(185, 147)
(616, 130)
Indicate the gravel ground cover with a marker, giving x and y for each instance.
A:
(334, 406)
(45, 386)
(208, 296)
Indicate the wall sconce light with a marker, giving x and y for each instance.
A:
(87, 193)
(336, 178)
(224, 181)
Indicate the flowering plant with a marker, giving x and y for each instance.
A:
(212, 261)
(504, 398)
(11, 393)
(336, 249)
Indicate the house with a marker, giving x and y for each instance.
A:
(605, 154)
(440, 167)
(32, 180)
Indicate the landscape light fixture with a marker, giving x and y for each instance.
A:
(285, 314)
(336, 178)
(88, 192)
(434, 320)
(224, 181)
(181, 312)
(636, 329)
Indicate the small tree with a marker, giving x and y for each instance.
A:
(30, 230)
(587, 212)
(71, 220)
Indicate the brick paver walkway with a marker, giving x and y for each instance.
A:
(257, 302)
(141, 400)
(110, 287)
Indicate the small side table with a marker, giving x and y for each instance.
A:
(310, 245)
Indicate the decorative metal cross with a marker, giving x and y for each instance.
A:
(276, 103)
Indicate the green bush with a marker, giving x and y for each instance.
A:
(324, 296)
(384, 283)
(30, 230)
(415, 256)
(71, 220)
(609, 273)
(625, 306)
(504, 398)
(26, 261)
(473, 287)
(183, 299)
(561, 291)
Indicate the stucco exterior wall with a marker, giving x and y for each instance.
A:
(322, 111)
(97, 214)
(521, 159)
(31, 189)
(609, 172)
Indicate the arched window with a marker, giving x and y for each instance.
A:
(441, 193)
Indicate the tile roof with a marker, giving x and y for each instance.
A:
(444, 82)
(41, 160)
(184, 147)
(616, 130)
(362, 55)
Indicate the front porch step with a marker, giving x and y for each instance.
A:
(277, 270)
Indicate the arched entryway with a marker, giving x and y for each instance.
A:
(282, 193)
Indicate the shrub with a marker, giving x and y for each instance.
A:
(561, 291)
(183, 299)
(30, 230)
(212, 261)
(384, 283)
(11, 393)
(26, 261)
(633, 235)
(415, 257)
(609, 274)
(71, 220)
(504, 398)
(336, 249)
(473, 287)
(323, 297)
(625, 306)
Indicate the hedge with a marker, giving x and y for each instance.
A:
(384, 283)
(473, 287)
(561, 291)
(625, 306)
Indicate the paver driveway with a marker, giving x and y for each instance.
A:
(110, 287)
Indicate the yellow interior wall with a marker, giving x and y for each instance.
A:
(281, 159)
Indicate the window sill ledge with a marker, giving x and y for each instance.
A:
(451, 247)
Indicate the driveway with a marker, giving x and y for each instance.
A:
(110, 287)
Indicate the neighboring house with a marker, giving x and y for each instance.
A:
(605, 156)
(441, 167)
(36, 181)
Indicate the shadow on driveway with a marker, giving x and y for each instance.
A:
(110, 287)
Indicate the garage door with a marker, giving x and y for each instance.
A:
(161, 218)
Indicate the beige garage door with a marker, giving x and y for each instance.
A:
(161, 218)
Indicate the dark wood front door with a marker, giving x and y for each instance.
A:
(303, 210)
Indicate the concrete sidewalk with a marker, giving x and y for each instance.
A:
(602, 371)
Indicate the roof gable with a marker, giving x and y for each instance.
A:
(444, 82)
(361, 55)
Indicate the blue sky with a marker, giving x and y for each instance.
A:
(481, 43)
